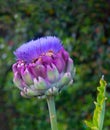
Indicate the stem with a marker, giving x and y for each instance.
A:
(52, 112)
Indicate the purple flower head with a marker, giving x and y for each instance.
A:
(43, 67)
(30, 51)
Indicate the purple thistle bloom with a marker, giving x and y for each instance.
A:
(30, 51)
(43, 67)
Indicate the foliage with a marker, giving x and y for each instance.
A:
(84, 28)
(99, 112)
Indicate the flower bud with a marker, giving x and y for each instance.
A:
(43, 67)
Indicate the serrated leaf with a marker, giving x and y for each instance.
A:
(99, 112)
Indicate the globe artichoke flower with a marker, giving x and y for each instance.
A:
(43, 67)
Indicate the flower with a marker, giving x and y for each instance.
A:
(43, 67)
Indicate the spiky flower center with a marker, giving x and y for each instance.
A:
(33, 50)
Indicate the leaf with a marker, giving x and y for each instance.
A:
(99, 112)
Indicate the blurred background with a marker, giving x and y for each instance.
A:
(84, 28)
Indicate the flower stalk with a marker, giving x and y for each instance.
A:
(52, 112)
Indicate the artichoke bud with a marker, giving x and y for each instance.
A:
(43, 67)
(64, 80)
(27, 77)
(40, 84)
(52, 73)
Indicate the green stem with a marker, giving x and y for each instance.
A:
(52, 112)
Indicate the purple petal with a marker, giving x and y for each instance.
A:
(46, 60)
(14, 67)
(40, 71)
(59, 63)
(65, 55)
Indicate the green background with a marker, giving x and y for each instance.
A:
(84, 28)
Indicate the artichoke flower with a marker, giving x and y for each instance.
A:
(43, 67)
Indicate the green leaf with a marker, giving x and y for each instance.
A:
(99, 112)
